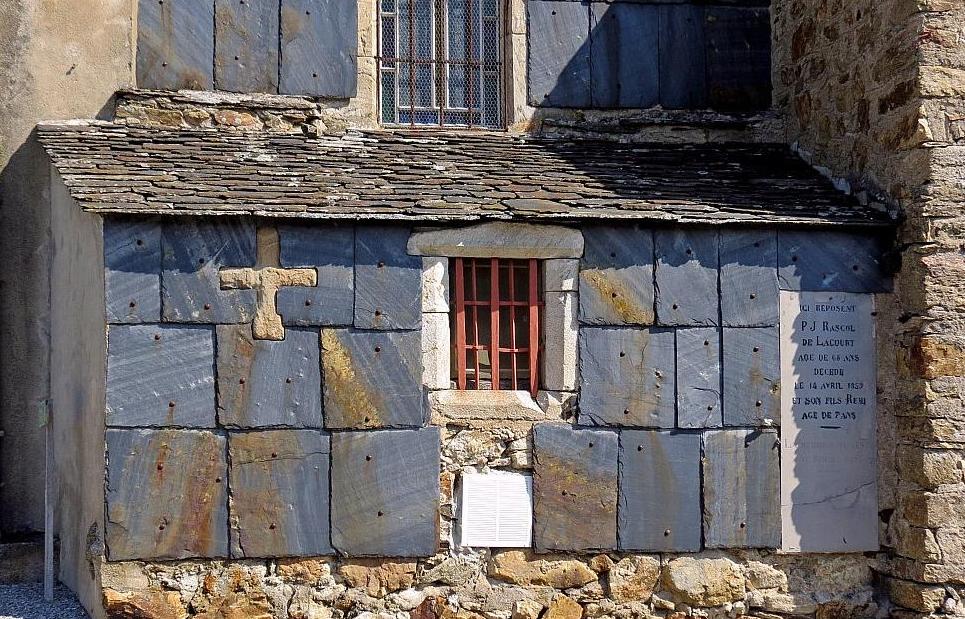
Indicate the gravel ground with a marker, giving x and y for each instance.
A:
(27, 602)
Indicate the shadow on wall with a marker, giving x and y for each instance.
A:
(629, 55)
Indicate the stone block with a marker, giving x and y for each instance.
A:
(435, 285)
(627, 377)
(742, 485)
(832, 262)
(704, 582)
(372, 379)
(175, 44)
(698, 378)
(330, 250)
(560, 341)
(500, 239)
(574, 488)
(461, 407)
(193, 254)
(659, 491)
(436, 353)
(748, 278)
(246, 46)
(264, 383)
(385, 493)
(279, 494)
(388, 281)
(319, 46)
(686, 277)
(561, 275)
(132, 271)
(751, 368)
(623, 55)
(166, 495)
(160, 375)
(616, 277)
(558, 71)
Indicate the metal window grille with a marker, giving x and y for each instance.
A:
(439, 62)
(497, 323)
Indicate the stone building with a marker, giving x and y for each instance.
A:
(489, 308)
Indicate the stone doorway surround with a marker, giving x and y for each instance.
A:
(559, 248)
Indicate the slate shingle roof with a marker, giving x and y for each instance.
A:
(438, 176)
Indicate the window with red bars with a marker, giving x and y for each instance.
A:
(497, 319)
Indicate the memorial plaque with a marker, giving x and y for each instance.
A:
(828, 492)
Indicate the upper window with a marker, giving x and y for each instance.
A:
(496, 323)
(439, 62)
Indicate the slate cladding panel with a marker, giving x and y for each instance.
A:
(132, 277)
(832, 262)
(175, 44)
(616, 276)
(627, 377)
(280, 490)
(387, 279)
(319, 42)
(558, 69)
(385, 492)
(683, 82)
(166, 495)
(623, 55)
(263, 383)
(159, 375)
(331, 250)
(698, 378)
(742, 481)
(659, 491)
(686, 276)
(748, 278)
(372, 379)
(246, 45)
(574, 488)
(193, 253)
(738, 58)
(752, 376)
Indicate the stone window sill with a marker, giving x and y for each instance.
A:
(453, 406)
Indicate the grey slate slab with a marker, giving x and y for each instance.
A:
(683, 83)
(385, 493)
(623, 55)
(627, 377)
(319, 43)
(748, 278)
(558, 67)
(166, 495)
(616, 276)
(331, 251)
(160, 375)
(686, 276)
(388, 281)
(132, 275)
(263, 383)
(659, 491)
(279, 494)
(751, 368)
(246, 45)
(832, 262)
(372, 379)
(738, 51)
(175, 44)
(698, 378)
(742, 484)
(574, 488)
(194, 252)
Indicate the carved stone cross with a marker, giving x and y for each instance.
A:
(266, 277)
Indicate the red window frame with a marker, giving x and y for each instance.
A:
(502, 307)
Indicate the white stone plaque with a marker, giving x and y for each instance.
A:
(496, 510)
(829, 497)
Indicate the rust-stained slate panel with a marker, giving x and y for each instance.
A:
(330, 249)
(698, 378)
(659, 491)
(132, 276)
(574, 488)
(385, 493)
(246, 45)
(372, 379)
(387, 279)
(262, 383)
(751, 366)
(175, 44)
(166, 495)
(748, 278)
(686, 277)
(194, 252)
(319, 43)
(279, 493)
(616, 276)
(742, 484)
(832, 262)
(627, 377)
(159, 375)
